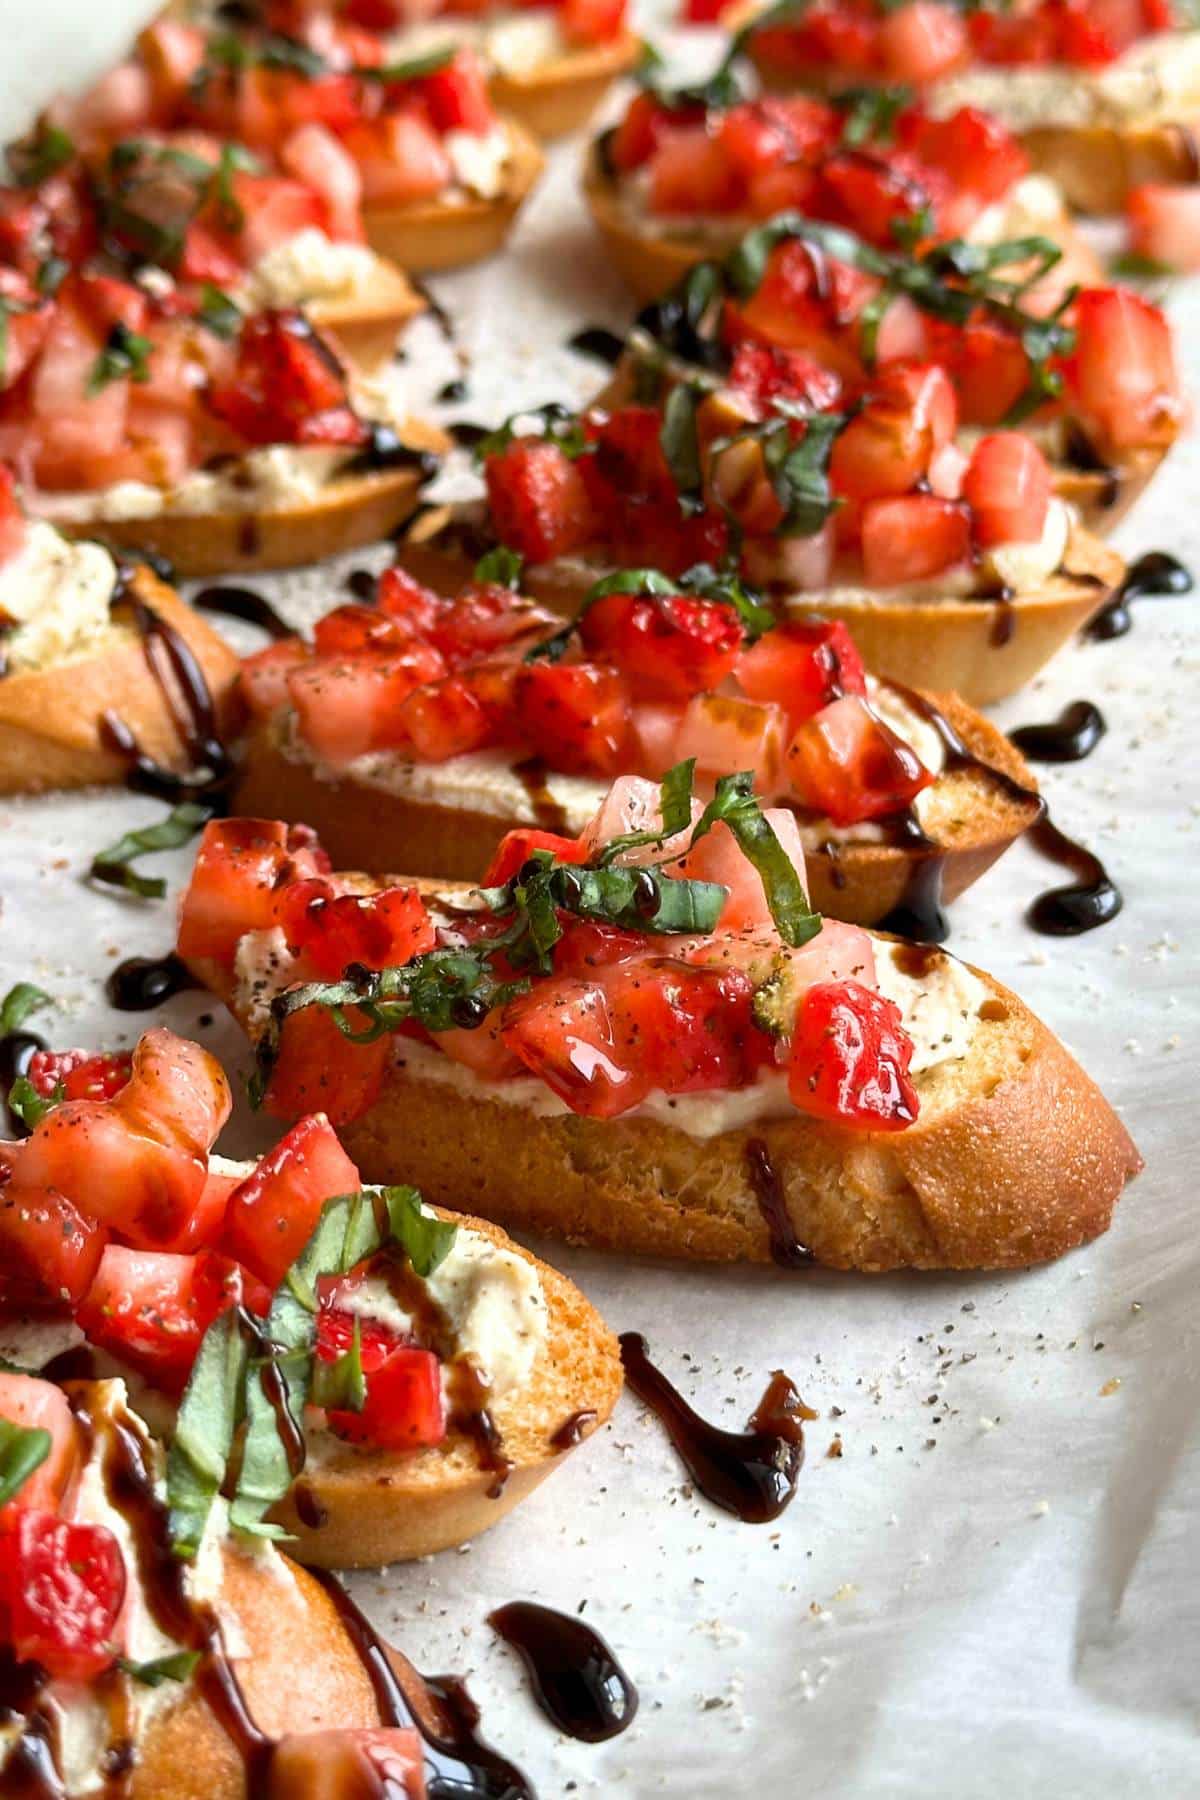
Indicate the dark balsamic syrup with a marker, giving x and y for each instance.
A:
(234, 602)
(453, 391)
(1069, 738)
(599, 343)
(1153, 576)
(576, 1679)
(458, 1764)
(547, 811)
(573, 1429)
(1081, 453)
(786, 1248)
(141, 983)
(386, 449)
(17, 1051)
(310, 1509)
(363, 585)
(1092, 900)
(918, 913)
(190, 702)
(751, 1474)
(466, 434)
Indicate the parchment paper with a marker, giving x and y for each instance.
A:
(993, 1589)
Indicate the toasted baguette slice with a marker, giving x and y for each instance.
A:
(972, 816)
(981, 650)
(50, 718)
(381, 1508)
(350, 511)
(652, 254)
(1016, 1158)
(561, 94)
(1097, 165)
(429, 235)
(299, 1672)
(363, 330)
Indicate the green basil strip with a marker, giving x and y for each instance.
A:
(218, 313)
(177, 1667)
(341, 1386)
(501, 566)
(348, 1231)
(734, 805)
(208, 1416)
(680, 441)
(46, 150)
(675, 811)
(125, 355)
(23, 1449)
(26, 1104)
(114, 865)
(869, 113)
(413, 70)
(20, 1001)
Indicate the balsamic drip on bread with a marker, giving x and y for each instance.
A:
(786, 1248)
(190, 704)
(1156, 575)
(573, 1429)
(751, 1474)
(1069, 738)
(576, 1679)
(547, 812)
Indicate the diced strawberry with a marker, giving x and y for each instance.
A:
(457, 96)
(315, 157)
(1122, 374)
(347, 705)
(287, 386)
(577, 714)
(484, 618)
(78, 1075)
(690, 172)
(973, 147)
(263, 677)
(563, 1032)
(761, 373)
(516, 847)
(320, 1070)
(667, 647)
(640, 131)
(724, 732)
(62, 1587)
(238, 868)
(38, 1405)
(380, 930)
(400, 157)
(591, 21)
(913, 537)
(539, 503)
(275, 1210)
(404, 1408)
(349, 629)
(1164, 224)
(1008, 489)
(444, 719)
(403, 600)
(801, 665)
(150, 1309)
(848, 765)
(850, 1057)
(51, 1249)
(920, 41)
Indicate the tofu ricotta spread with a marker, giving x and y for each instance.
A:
(310, 267)
(516, 43)
(54, 599)
(1157, 81)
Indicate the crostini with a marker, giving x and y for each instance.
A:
(402, 1374)
(229, 1676)
(218, 441)
(549, 64)
(491, 717)
(850, 499)
(78, 640)
(411, 144)
(184, 211)
(1095, 383)
(685, 174)
(1102, 97)
(644, 1039)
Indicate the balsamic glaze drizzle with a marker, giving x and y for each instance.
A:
(1157, 574)
(1069, 738)
(466, 434)
(752, 1474)
(141, 983)
(786, 1248)
(573, 1429)
(599, 343)
(1092, 900)
(190, 702)
(576, 1679)
(234, 602)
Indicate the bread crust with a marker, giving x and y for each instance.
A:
(981, 650)
(383, 1508)
(561, 94)
(430, 235)
(50, 719)
(301, 1673)
(352, 510)
(362, 827)
(363, 330)
(1015, 1159)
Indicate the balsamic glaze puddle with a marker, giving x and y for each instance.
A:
(1069, 738)
(141, 983)
(1157, 574)
(1068, 911)
(235, 602)
(599, 343)
(576, 1679)
(751, 1474)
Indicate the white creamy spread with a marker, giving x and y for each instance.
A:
(479, 159)
(310, 266)
(1023, 567)
(492, 1299)
(262, 966)
(1034, 204)
(517, 44)
(57, 594)
(1157, 80)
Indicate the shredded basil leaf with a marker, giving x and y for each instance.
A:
(114, 866)
(340, 1386)
(218, 313)
(870, 113)
(558, 425)
(209, 1414)
(23, 1449)
(680, 441)
(734, 804)
(674, 809)
(502, 566)
(47, 149)
(52, 272)
(26, 1104)
(16, 1006)
(126, 355)
(413, 70)
(176, 1667)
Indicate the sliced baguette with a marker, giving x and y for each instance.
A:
(363, 329)
(350, 511)
(51, 718)
(982, 650)
(1097, 165)
(561, 94)
(430, 235)
(972, 816)
(382, 1508)
(1015, 1159)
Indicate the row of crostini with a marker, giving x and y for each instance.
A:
(690, 693)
